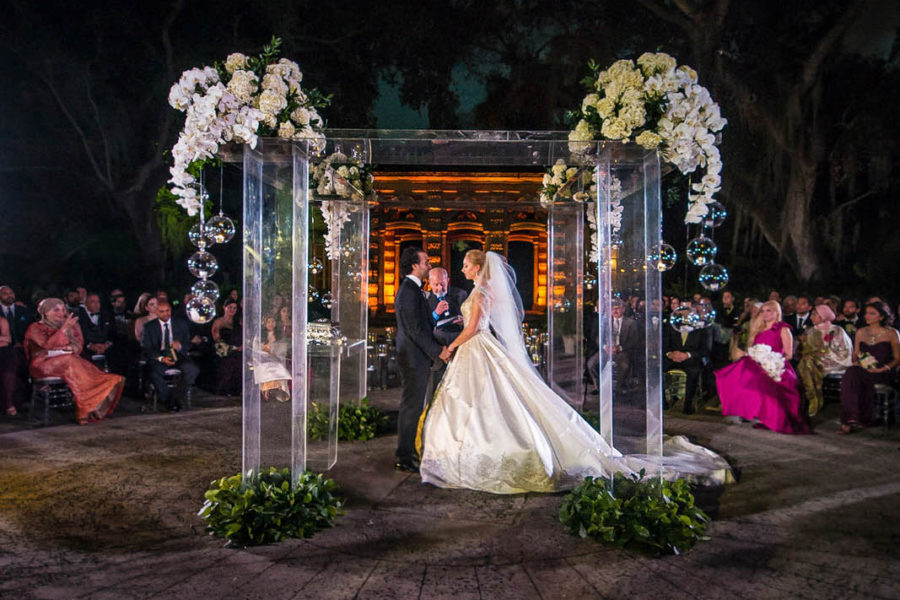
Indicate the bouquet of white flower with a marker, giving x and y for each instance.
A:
(658, 105)
(772, 362)
(868, 362)
(239, 100)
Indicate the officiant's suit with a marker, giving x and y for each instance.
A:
(454, 297)
(152, 351)
(417, 351)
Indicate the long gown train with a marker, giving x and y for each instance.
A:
(494, 425)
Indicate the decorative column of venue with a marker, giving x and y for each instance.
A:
(628, 213)
(293, 386)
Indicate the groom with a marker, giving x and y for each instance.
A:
(417, 351)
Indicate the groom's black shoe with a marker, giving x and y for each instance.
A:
(411, 465)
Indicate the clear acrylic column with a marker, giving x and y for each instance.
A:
(565, 305)
(631, 371)
(276, 234)
(337, 352)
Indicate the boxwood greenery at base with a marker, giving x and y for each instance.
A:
(651, 515)
(355, 422)
(269, 509)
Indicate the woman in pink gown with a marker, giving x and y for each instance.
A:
(747, 390)
(53, 346)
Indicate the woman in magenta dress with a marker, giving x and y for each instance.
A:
(876, 353)
(750, 391)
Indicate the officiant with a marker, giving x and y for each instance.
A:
(444, 303)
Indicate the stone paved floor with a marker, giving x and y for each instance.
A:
(109, 511)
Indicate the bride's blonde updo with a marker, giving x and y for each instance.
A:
(476, 257)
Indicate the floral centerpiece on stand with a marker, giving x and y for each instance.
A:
(344, 177)
(657, 104)
(239, 100)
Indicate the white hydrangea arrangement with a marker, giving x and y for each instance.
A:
(660, 106)
(772, 362)
(580, 184)
(345, 177)
(239, 100)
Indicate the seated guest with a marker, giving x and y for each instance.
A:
(124, 346)
(53, 345)
(7, 370)
(228, 339)
(96, 328)
(762, 385)
(876, 352)
(742, 330)
(626, 340)
(73, 301)
(850, 318)
(824, 349)
(788, 307)
(148, 313)
(443, 303)
(834, 303)
(165, 344)
(18, 317)
(686, 350)
(799, 321)
(284, 322)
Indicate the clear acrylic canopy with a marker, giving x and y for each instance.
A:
(326, 362)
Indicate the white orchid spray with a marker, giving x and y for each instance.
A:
(239, 100)
(660, 106)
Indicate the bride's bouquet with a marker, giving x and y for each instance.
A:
(772, 362)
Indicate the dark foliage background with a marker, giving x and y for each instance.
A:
(809, 88)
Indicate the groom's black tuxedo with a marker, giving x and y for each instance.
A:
(417, 350)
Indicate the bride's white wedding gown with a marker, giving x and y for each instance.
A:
(494, 425)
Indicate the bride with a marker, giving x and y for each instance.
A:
(493, 424)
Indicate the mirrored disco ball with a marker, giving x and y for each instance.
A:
(715, 215)
(316, 266)
(713, 277)
(202, 264)
(206, 288)
(327, 300)
(701, 251)
(312, 294)
(683, 318)
(347, 250)
(615, 240)
(197, 238)
(666, 257)
(201, 309)
(590, 282)
(220, 229)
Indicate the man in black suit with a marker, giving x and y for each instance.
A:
(96, 327)
(625, 344)
(19, 318)
(686, 350)
(800, 321)
(417, 352)
(849, 318)
(165, 344)
(444, 302)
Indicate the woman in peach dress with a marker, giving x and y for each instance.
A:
(53, 345)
